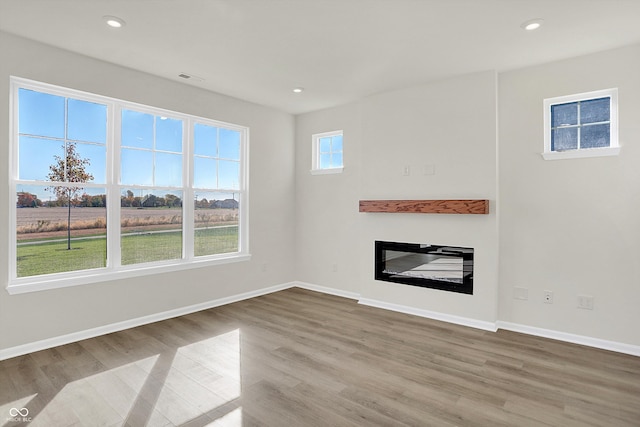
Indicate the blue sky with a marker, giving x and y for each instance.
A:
(331, 152)
(151, 152)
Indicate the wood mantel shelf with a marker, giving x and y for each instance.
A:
(474, 206)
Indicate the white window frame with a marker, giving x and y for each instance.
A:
(113, 269)
(315, 156)
(612, 150)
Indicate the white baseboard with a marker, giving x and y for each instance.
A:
(327, 290)
(458, 320)
(474, 323)
(132, 323)
(633, 350)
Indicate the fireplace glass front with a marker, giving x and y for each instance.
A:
(448, 268)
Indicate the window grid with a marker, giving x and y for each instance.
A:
(578, 136)
(579, 125)
(327, 152)
(65, 140)
(113, 189)
(331, 153)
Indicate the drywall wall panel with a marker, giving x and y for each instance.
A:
(327, 205)
(570, 226)
(436, 141)
(36, 316)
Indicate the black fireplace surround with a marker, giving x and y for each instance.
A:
(448, 268)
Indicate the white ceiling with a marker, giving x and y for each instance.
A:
(338, 50)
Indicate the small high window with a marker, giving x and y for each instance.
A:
(327, 153)
(581, 125)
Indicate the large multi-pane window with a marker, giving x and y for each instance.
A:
(104, 187)
(151, 167)
(55, 134)
(216, 180)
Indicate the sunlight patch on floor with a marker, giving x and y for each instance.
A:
(170, 387)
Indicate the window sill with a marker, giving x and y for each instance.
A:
(580, 154)
(46, 282)
(326, 171)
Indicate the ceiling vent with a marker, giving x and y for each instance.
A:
(190, 77)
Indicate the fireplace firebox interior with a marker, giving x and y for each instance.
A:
(448, 268)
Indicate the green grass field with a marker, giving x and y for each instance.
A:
(88, 253)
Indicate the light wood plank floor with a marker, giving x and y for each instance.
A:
(299, 358)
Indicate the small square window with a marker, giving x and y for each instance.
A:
(327, 152)
(581, 125)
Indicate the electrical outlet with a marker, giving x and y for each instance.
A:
(585, 302)
(548, 297)
(406, 171)
(334, 268)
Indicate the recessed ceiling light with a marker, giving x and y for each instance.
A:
(532, 24)
(114, 21)
(298, 90)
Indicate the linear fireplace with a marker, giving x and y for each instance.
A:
(448, 268)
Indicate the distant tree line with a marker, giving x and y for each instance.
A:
(28, 200)
(150, 201)
(217, 204)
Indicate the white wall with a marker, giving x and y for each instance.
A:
(571, 226)
(35, 316)
(449, 124)
(568, 226)
(327, 205)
